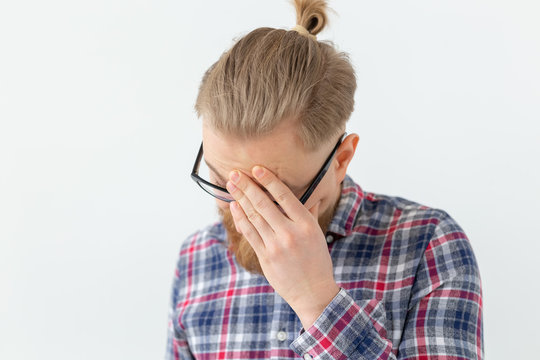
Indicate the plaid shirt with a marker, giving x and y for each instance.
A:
(410, 289)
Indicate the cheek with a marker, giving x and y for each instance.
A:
(323, 192)
(222, 205)
(214, 179)
(316, 196)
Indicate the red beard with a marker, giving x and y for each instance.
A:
(241, 248)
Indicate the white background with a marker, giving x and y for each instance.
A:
(98, 136)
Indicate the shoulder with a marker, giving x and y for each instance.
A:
(200, 250)
(371, 213)
(201, 246)
(437, 225)
(429, 227)
(442, 246)
(431, 233)
(213, 235)
(401, 210)
(361, 211)
(441, 249)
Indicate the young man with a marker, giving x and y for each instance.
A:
(305, 263)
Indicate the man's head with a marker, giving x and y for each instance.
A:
(279, 99)
(283, 153)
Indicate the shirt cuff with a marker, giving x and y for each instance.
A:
(346, 329)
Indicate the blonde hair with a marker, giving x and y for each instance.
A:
(273, 75)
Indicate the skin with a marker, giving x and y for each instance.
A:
(288, 241)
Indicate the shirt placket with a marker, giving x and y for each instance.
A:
(285, 327)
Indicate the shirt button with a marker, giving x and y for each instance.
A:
(329, 238)
(308, 357)
(281, 335)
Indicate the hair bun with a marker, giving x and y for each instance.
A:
(311, 14)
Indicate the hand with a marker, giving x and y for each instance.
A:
(289, 243)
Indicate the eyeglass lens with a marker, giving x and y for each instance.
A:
(208, 175)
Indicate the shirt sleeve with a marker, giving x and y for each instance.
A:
(177, 345)
(444, 317)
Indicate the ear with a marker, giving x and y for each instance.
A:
(344, 156)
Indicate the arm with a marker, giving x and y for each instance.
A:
(294, 257)
(444, 318)
(177, 345)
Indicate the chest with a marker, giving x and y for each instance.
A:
(243, 323)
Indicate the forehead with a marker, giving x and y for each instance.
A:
(281, 152)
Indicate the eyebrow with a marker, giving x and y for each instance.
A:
(225, 181)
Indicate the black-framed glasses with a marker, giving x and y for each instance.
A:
(223, 194)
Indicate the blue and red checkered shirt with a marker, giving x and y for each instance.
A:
(410, 289)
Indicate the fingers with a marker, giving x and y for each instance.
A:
(245, 193)
(246, 227)
(258, 207)
(281, 193)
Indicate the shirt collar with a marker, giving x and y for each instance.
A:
(348, 208)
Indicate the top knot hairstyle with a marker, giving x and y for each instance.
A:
(273, 75)
(311, 15)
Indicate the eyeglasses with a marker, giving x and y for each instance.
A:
(223, 194)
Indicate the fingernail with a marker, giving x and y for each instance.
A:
(234, 176)
(258, 171)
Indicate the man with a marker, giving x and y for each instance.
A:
(305, 263)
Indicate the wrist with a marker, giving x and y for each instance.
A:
(314, 305)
